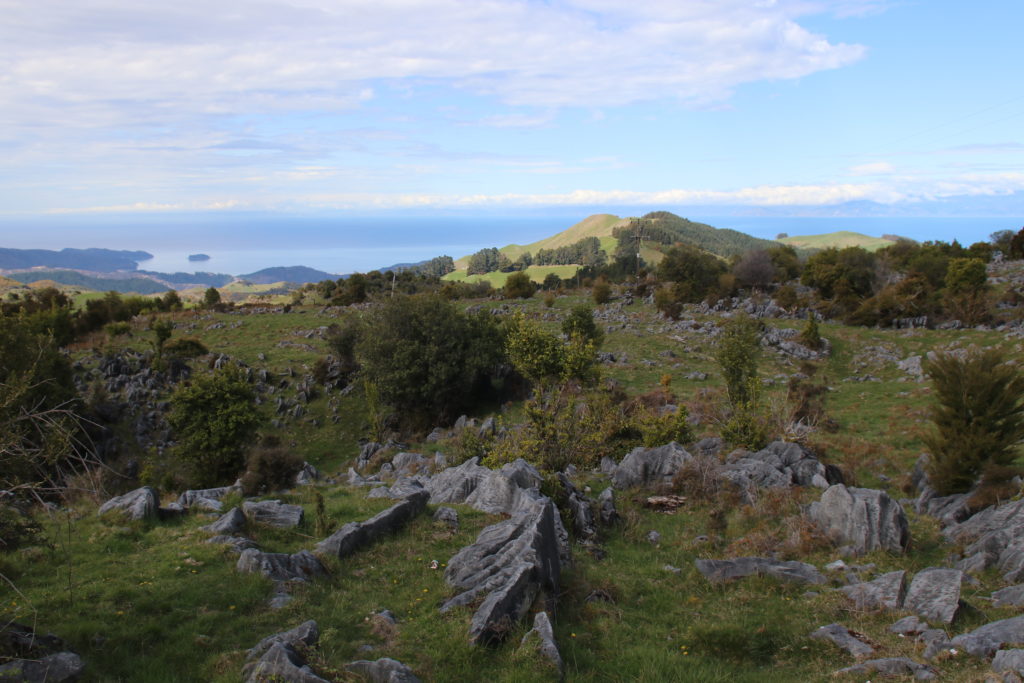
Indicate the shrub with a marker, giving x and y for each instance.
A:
(549, 299)
(810, 336)
(185, 347)
(428, 360)
(214, 418)
(211, 297)
(519, 286)
(978, 416)
(270, 467)
(602, 292)
(580, 324)
(543, 358)
(117, 329)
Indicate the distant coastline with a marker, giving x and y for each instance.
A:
(198, 257)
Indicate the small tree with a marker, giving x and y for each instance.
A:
(602, 291)
(580, 323)
(214, 418)
(810, 336)
(211, 297)
(737, 354)
(978, 417)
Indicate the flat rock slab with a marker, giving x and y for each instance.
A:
(231, 522)
(866, 519)
(843, 638)
(384, 670)
(986, 640)
(142, 503)
(742, 567)
(1012, 596)
(648, 467)
(300, 566)
(507, 566)
(306, 634)
(273, 513)
(205, 498)
(237, 543)
(888, 591)
(934, 594)
(891, 667)
(355, 535)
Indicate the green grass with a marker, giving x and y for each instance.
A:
(839, 239)
(497, 279)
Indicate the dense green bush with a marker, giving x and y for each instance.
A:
(519, 286)
(268, 468)
(978, 417)
(694, 273)
(580, 324)
(737, 353)
(214, 418)
(428, 360)
(185, 347)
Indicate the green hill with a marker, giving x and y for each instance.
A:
(840, 240)
(73, 278)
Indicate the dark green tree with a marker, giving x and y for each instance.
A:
(214, 420)
(977, 417)
(211, 297)
(580, 324)
(694, 273)
(737, 354)
(519, 286)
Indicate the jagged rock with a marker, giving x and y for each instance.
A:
(741, 567)
(579, 507)
(447, 516)
(606, 512)
(865, 519)
(909, 626)
(142, 503)
(237, 543)
(231, 522)
(403, 488)
(356, 535)
(305, 634)
(891, 667)
(307, 475)
(649, 466)
(515, 486)
(843, 639)
(273, 513)
(206, 499)
(1009, 660)
(653, 537)
(384, 670)
(934, 594)
(1013, 596)
(406, 464)
(996, 536)
(300, 566)
(356, 479)
(367, 452)
(507, 566)
(455, 484)
(542, 636)
(55, 668)
(710, 446)
(780, 464)
(281, 662)
(886, 592)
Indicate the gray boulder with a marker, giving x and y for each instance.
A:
(403, 488)
(1012, 596)
(300, 566)
(307, 475)
(306, 634)
(206, 499)
(993, 537)
(273, 513)
(606, 511)
(841, 636)
(1009, 660)
(891, 667)
(865, 519)
(934, 594)
(742, 567)
(780, 464)
(237, 543)
(513, 487)
(986, 640)
(383, 670)
(447, 516)
(542, 637)
(355, 535)
(230, 523)
(142, 503)
(909, 626)
(281, 662)
(647, 467)
(507, 566)
(579, 507)
(886, 592)
(56, 668)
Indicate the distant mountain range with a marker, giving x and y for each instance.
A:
(97, 260)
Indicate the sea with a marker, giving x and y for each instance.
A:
(241, 244)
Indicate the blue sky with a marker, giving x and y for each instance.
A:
(115, 106)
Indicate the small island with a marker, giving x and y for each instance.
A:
(198, 257)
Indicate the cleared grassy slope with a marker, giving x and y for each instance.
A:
(840, 240)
